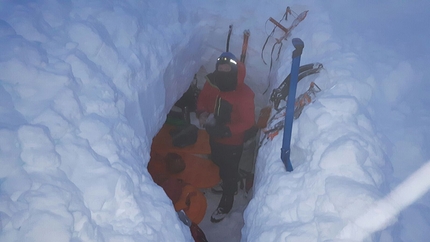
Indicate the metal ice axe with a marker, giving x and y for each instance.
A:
(289, 115)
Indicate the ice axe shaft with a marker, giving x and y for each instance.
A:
(289, 116)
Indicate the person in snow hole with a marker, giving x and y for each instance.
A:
(184, 197)
(164, 171)
(225, 108)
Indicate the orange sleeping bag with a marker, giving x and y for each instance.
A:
(183, 187)
(193, 202)
(199, 172)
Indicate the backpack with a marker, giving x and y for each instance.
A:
(189, 98)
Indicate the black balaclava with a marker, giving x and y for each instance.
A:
(226, 81)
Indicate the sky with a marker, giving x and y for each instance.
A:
(85, 86)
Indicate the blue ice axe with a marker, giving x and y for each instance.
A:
(289, 115)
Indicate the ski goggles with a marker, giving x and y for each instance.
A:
(226, 60)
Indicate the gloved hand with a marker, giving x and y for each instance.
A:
(202, 118)
(218, 131)
(206, 119)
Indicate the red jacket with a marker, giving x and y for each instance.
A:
(242, 101)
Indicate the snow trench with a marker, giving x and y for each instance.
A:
(86, 86)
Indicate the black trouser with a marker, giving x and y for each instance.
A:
(227, 158)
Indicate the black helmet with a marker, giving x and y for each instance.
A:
(227, 58)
